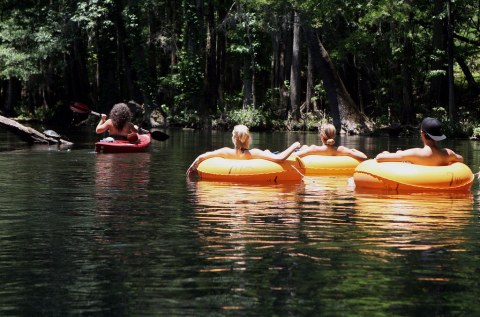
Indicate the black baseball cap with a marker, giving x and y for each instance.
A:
(433, 128)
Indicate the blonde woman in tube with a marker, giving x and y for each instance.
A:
(241, 151)
(327, 135)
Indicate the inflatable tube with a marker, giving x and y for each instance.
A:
(404, 176)
(123, 146)
(329, 165)
(253, 170)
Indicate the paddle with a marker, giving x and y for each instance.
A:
(82, 108)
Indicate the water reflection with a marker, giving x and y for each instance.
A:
(121, 195)
(325, 212)
(269, 240)
(416, 221)
(120, 176)
(233, 216)
(244, 223)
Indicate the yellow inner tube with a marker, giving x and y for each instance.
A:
(329, 165)
(400, 175)
(253, 170)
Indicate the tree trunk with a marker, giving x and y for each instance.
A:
(309, 90)
(76, 77)
(3, 89)
(359, 84)
(343, 110)
(472, 84)
(247, 83)
(286, 62)
(408, 114)
(107, 81)
(221, 52)
(452, 113)
(124, 63)
(438, 85)
(210, 81)
(13, 95)
(151, 52)
(295, 80)
(322, 68)
(28, 134)
(193, 33)
(249, 97)
(277, 74)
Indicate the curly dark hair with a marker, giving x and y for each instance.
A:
(120, 115)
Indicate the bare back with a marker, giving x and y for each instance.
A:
(428, 155)
(331, 150)
(323, 149)
(112, 130)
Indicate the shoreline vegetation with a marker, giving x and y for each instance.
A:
(307, 125)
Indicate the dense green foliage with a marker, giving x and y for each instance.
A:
(222, 62)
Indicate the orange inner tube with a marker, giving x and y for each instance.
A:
(406, 176)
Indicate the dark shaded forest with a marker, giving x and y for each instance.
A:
(363, 65)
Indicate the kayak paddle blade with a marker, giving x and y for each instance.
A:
(80, 108)
(158, 135)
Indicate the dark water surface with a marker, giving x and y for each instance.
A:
(117, 235)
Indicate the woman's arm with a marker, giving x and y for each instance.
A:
(353, 153)
(311, 150)
(103, 125)
(223, 152)
(279, 157)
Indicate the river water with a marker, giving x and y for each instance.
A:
(117, 235)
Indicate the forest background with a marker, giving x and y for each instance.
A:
(270, 64)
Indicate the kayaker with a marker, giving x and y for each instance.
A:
(118, 125)
(241, 141)
(327, 136)
(430, 154)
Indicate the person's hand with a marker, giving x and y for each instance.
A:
(132, 137)
(297, 145)
(193, 168)
(383, 153)
(379, 155)
(104, 117)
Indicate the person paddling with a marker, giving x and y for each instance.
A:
(118, 125)
(327, 136)
(430, 154)
(241, 151)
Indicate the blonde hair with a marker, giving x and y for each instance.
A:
(241, 137)
(328, 134)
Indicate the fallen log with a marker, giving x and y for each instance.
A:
(28, 134)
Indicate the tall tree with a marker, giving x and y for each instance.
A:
(452, 113)
(438, 69)
(343, 110)
(295, 83)
(210, 81)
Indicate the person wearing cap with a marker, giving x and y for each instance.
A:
(430, 154)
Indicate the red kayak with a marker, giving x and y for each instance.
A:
(123, 146)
